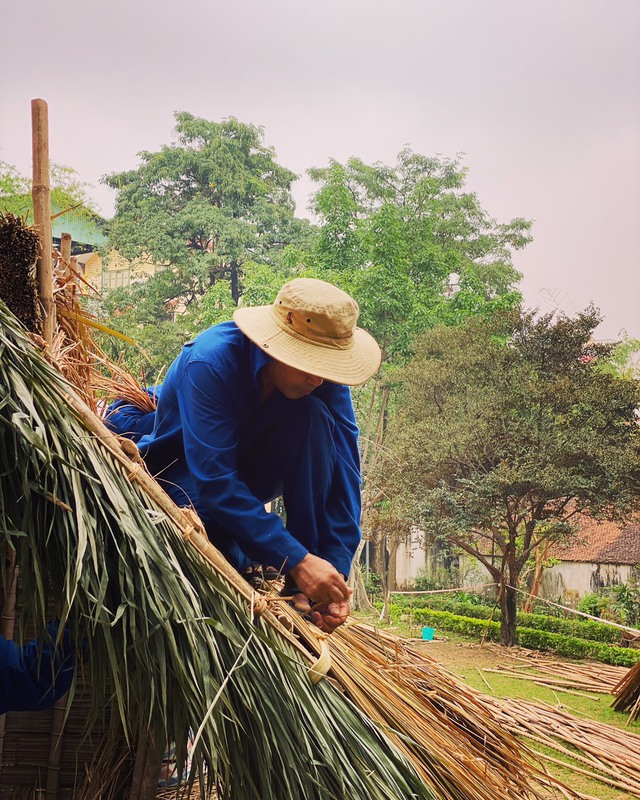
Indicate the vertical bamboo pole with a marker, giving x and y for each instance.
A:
(41, 193)
(144, 784)
(7, 623)
(55, 747)
(65, 252)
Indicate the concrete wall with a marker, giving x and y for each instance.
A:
(566, 582)
(570, 580)
(410, 558)
(413, 556)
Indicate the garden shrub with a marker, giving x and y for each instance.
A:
(567, 646)
(579, 628)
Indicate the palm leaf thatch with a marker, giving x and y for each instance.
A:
(169, 637)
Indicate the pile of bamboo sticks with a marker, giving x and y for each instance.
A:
(627, 693)
(562, 676)
(602, 752)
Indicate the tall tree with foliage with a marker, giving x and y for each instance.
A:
(207, 203)
(67, 192)
(413, 244)
(507, 432)
(416, 249)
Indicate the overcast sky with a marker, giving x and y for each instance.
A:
(541, 96)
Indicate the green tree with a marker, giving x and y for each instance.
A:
(67, 191)
(625, 358)
(208, 203)
(506, 433)
(413, 245)
(147, 313)
(416, 249)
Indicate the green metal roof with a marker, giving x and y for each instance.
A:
(83, 229)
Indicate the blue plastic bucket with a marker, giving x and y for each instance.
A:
(427, 634)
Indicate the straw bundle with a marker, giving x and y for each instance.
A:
(457, 744)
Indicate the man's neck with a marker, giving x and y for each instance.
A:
(268, 386)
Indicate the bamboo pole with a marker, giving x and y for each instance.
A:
(7, 624)
(65, 252)
(41, 193)
(55, 747)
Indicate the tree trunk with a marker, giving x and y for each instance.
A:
(541, 558)
(359, 598)
(234, 274)
(392, 581)
(508, 614)
(378, 545)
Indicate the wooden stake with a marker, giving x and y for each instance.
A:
(41, 193)
(65, 251)
(7, 623)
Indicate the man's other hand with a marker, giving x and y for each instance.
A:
(330, 617)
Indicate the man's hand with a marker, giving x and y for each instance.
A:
(330, 617)
(320, 581)
(326, 617)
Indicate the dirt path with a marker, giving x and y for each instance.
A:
(465, 658)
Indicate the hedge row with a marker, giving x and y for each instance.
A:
(568, 646)
(578, 628)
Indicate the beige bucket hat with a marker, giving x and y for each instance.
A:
(312, 326)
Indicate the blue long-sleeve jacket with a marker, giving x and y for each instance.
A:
(34, 676)
(208, 416)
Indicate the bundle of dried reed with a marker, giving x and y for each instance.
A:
(599, 751)
(455, 741)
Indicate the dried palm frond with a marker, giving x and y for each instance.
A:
(76, 353)
(166, 632)
(114, 380)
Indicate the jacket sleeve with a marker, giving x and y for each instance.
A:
(344, 504)
(37, 674)
(210, 435)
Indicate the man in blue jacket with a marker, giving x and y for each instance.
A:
(260, 408)
(34, 676)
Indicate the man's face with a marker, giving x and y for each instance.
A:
(291, 382)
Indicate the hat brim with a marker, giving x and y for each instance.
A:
(352, 366)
